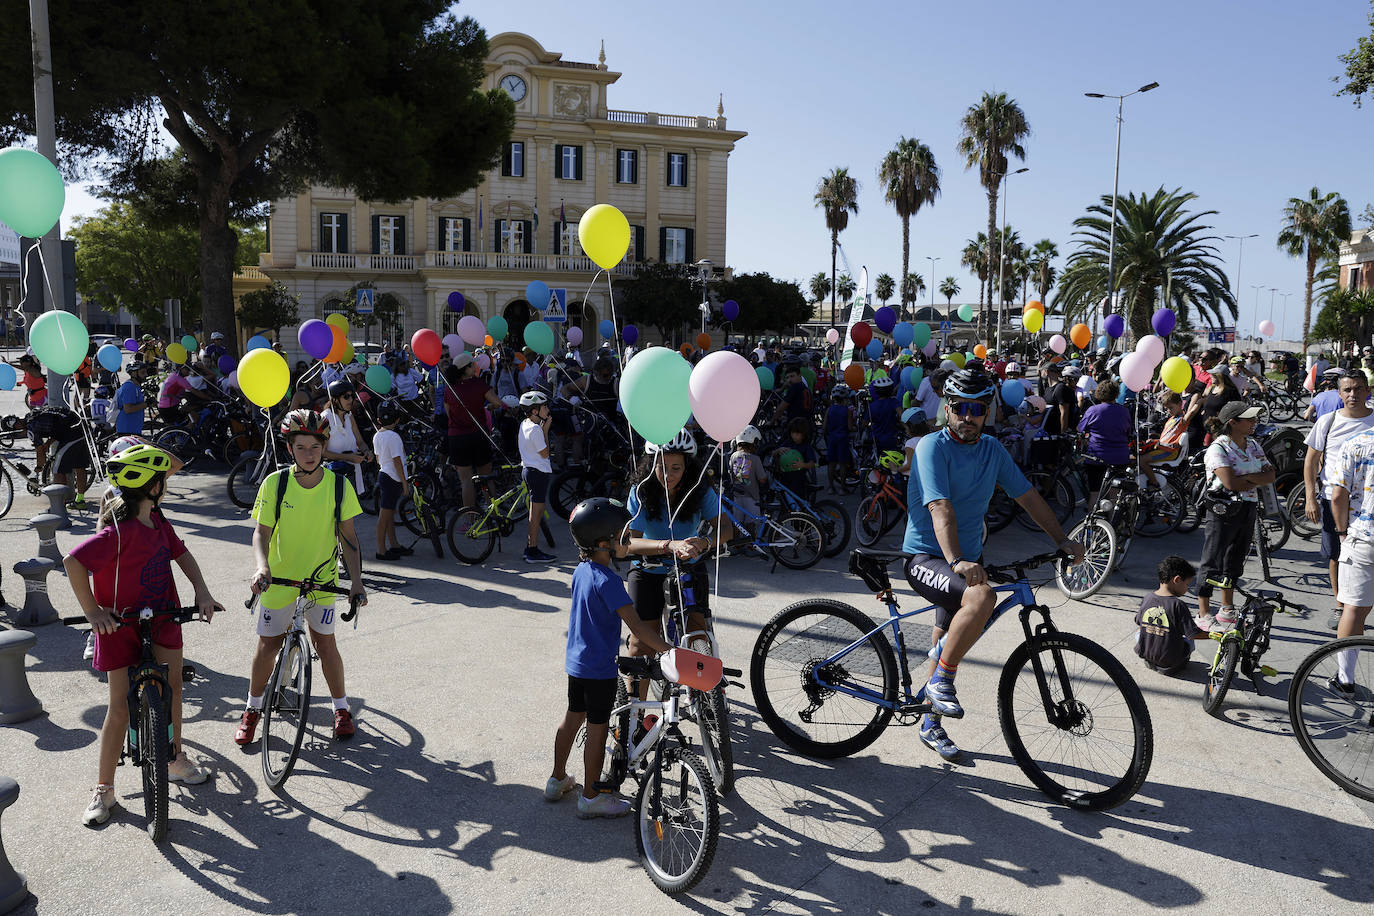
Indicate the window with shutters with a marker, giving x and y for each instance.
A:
(636, 252)
(568, 245)
(674, 245)
(677, 170)
(1354, 281)
(389, 240)
(569, 162)
(511, 233)
(452, 233)
(513, 162)
(333, 232)
(627, 166)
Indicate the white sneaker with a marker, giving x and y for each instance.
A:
(183, 770)
(603, 805)
(90, 646)
(1226, 617)
(103, 801)
(1206, 622)
(555, 789)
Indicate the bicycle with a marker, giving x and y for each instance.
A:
(149, 744)
(1331, 709)
(286, 704)
(472, 533)
(252, 468)
(1245, 644)
(795, 540)
(880, 511)
(825, 681)
(419, 516)
(34, 481)
(829, 514)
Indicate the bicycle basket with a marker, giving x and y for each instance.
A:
(691, 669)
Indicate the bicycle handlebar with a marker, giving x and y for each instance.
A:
(1264, 595)
(648, 666)
(1013, 572)
(305, 586)
(178, 615)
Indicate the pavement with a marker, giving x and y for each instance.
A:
(455, 678)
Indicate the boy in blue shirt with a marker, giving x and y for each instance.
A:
(599, 527)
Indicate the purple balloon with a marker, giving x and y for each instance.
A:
(929, 348)
(316, 338)
(1163, 322)
(730, 310)
(131, 345)
(456, 302)
(886, 319)
(227, 364)
(631, 334)
(1114, 325)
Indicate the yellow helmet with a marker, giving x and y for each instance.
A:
(135, 466)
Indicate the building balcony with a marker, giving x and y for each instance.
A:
(653, 118)
(450, 260)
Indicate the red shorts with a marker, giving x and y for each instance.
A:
(121, 648)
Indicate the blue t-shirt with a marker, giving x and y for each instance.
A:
(882, 418)
(945, 468)
(1326, 402)
(837, 423)
(128, 393)
(683, 527)
(594, 622)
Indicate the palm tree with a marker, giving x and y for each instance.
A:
(975, 258)
(884, 287)
(845, 287)
(1313, 228)
(949, 288)
(989, 132)
(912, 287)
(1042, 257)
(837, 194)
(910, 179)
(1159, 247)
(820, 288)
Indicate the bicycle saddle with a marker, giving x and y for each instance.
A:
(871, 566)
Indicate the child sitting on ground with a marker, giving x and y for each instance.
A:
(1167, 630)
(599, 527)
(392, 480)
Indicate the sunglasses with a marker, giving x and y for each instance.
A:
(970, 408)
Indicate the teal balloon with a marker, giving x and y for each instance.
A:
(497, 328)
(539, 337)
(258, 342)
(110, 357)
(965, 312)
(189, 342)
(378, 379)
(60, 341)
(8, 377)
(31, 192)
(921, 332)
(765, 375)
(653, 392)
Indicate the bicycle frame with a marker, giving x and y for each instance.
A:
(734, 511)
(505, 508)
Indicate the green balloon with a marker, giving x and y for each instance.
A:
(539, 338)
(810, 377)
(60, 341)
(31, 192)
(969, 354)
(765, 375)
(189, 342)
(920, 334)
(653, 392)
(965, 312)
(378, 379)
(497, 328)
(362, 359)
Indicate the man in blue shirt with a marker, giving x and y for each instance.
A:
(953, 475)
(129, 402)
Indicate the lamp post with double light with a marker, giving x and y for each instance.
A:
(1002, 255)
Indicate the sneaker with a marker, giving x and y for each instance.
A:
(555, 789)
(1207, 623)
(343, 725)
(247, 726)
(934, 737)
(1226, 617)
(1334, 621)
(603, 805)
(1338, 686)
(184, 771)
(402, 551)
(942, 699)
(103, 801)
(90, 646)
(390, 556)
(535, 555)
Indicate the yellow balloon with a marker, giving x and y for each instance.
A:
(176, 353)
(338, 321)
(1034, 320)
(351, 354)
(1176, 373)
(958, 359)
(605, 235)
(264, 377)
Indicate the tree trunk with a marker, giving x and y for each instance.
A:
(834, 251)
(218, 245)
(1307, 295)
(992, 243)
(906, 263)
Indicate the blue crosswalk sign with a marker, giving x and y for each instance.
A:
(558, 306)
(366, 301)
(946, 326)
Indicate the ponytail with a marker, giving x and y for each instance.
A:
(1214, 427)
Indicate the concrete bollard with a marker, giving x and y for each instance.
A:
(37, 610)
(14, 888)
(46, 525)
(17, 702)
(58, 494)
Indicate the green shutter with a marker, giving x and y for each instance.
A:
(376, 235)
(401, 247)
(557, 247)
(343, 246)
(528, 235)
(467, 234)
(323, 235)
(639, 243)
(558, 160)
(496, 228)
(691, 246)
(662, 244)
(505, 160)
(577, 163)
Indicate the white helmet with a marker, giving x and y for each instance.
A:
(749, 435)
(511, 401)
(533, 399)
(1013, 368)
(683, 443)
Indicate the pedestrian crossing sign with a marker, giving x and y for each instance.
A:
(366, 301)
(557, 309)
(946, 326)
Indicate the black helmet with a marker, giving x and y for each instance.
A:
(387, 412)
(971, 384)
(339, 387)
(597, 519)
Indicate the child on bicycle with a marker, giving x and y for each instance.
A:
(600, 528)
(1170, 441)
(315, 508)
(392, 481)
(1167, 630)
(794, 469)
(536, 466)
(122, 568)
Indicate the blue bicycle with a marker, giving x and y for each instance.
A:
(825, 680)
(829, 514)
(795, 539)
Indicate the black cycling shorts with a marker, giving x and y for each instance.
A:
(469, 450)
(934, 580)
(646, 591)
(593, 696)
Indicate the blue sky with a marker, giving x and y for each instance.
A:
(1245, 115)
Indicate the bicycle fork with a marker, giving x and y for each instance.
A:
(141, 683)
(1065, 713)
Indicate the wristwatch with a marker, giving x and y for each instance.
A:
(956, 561)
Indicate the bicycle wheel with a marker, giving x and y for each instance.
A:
(1161, 509)
(409, 516)
(1275, 530)
(796, 541)
(6, 491)
(180, 443)
(1058, 493)
(1099, 559)
(285, 710)
(1282, 407)
(1219, 677)
(1001, 510)
(367, 500)
(713, 721)
(1335, 727)
(1092, 749)
(870, 520)
(245, 478)
(1296, 508)
(470, 536)
(1192, 514)
(432, 524)
(834, 521)
(677, 832)
(567, 488)
(809, 702)
(616, 767)
(154, 741)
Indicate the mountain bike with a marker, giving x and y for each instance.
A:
(286, 705)
(34, 481)
(1331, 709)
(418, 515)
(825, 681)
(472, 533)
(795, 540)
(1245, 644)
(829, 514)
(253, 467)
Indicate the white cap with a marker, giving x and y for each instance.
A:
(218, 335)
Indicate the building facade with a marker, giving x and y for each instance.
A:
(1357, 260)
(569, 150)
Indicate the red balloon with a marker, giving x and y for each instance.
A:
(427, 347)
(861, 334)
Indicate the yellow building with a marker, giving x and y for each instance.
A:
(569, 150)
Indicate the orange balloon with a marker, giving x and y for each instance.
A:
(686, 351)
(340, 348)
(854, 376)
(488, 341)
(1081, 335)
(519, 360)
(1035, 304)
(703, 341)
(980, 351)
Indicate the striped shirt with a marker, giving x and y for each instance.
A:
(1353, 471)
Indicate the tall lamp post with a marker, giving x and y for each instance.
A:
(1240, 260)
(1116, 178)
(1285, 307)
(932, 261)
(704, 276)
(1002, 254)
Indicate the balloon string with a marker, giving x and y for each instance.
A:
(52, 297)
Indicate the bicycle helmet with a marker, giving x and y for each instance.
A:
(1072, 372)
(134, 467)
(1237, 360)
(841, 392)
(891, 459)
(388, 412)
(305, 421)
(750, 435)
(598, 519)
(1014, 368)
(970, 384)
(683, 443)
(790, 460)
(103, 391)
(510, 400)
(882, 384)
(533, 399)
(338, 388)
(124, 443)
(914, 415)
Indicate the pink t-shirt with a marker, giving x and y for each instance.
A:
(140, 557)
(170, 395)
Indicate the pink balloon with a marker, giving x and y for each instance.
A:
(454, 344)
(483, 362)
(574, 336)
(1058, 344)
(724, 393)
(1151, 348)
(471, 329)
(1136, 371)
(1266, 327)
(930, 348)
(832, 336)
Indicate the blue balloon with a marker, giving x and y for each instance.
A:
(607, 328)
(903, 334)
(8, 377)
(1102, 342)
(258, 342)
(1121, 397)
(1013, 393)
(537, 294)
(110, 357)
(909, 378)
(874, 349)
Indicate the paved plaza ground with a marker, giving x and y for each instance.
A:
(456, 678)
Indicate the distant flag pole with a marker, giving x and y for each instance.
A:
(481, 238)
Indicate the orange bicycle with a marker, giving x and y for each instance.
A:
(881, 510)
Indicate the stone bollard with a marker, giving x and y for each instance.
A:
(46, 525)
(37, 610)
(17, 702)
(58, 494)
(14, 889)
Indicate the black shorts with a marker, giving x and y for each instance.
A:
(646, 591)
(593, 696)
(1331, 541)
(469, 450)
(934, 580)
(388, 492)
(71, 456)
(538, 482)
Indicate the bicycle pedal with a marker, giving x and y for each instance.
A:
(188, 673)
(913, 709)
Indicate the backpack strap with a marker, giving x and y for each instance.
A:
(281, 494)
(338, 499)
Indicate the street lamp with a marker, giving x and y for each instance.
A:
(1116, 177)
(1240, 259)
(704, 275)
(932, 281)
(1002, 254)
(1285, 306)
